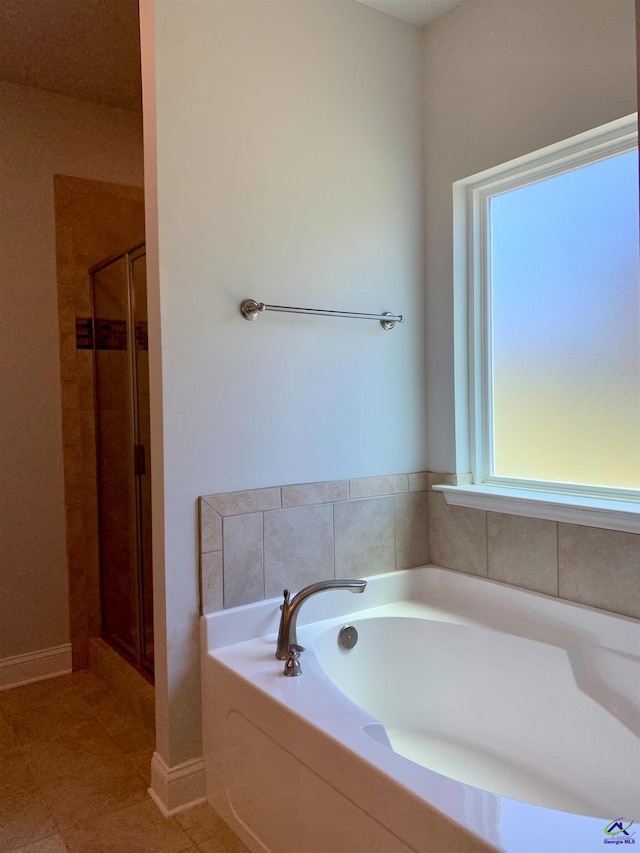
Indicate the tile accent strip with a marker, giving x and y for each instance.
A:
(84, 333)
(109, 334)
(252, 543)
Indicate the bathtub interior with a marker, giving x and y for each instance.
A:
(336, 729)
(514, 716)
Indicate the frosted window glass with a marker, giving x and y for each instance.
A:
(565, 327)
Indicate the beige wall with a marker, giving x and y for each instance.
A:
(40, 134)
(503, 79)
(289, 168)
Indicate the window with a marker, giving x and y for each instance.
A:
(548, 249)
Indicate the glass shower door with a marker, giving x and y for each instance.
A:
(138, 278)
(122, 431)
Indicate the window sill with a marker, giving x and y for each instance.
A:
(571, 509)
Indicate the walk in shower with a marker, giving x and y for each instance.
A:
(121, 363)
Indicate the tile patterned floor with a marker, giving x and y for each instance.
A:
(74, 773)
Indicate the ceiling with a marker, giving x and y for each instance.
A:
(418, 12)
(90, 49)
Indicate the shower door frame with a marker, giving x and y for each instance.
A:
(137, 657)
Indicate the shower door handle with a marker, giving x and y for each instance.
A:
(139, 460)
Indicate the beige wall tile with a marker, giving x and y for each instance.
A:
(73, 467)
(117, 507)
(71, 428)
(370, 487)
(77, 185)
(85, 384)
(66, 305)
(457, 536)
(67, 325)
(122, 191)
(94, 617)
(88, 436)
(92, 563)
(237, 503)
(210, 528)
(412, 530)
(298, 547)
(74, 520)
(82, 295)
(600, 568)
(132, 690)
(365, 537)
(523, 551)
(67, 318)
(419, 481)
(64, 231)
(70, 396)
(211, 581)
(90, 503)
(307, 494)
(243, 561)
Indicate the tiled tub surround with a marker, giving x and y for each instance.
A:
(255, 543)
(587, 565)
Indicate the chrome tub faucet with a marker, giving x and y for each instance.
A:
(290, 607)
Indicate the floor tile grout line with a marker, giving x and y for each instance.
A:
(72, 827)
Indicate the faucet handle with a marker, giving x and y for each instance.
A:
(292, 664)
(287, 599)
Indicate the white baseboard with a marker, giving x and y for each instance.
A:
(174, 789)
(35, 666)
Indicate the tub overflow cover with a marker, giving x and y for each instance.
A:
(348, 637)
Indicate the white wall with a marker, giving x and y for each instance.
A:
(40, 135)
(289, 169)
(503, 79)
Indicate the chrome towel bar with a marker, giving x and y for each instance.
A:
(250, 310)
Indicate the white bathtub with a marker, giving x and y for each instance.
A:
(470, 716)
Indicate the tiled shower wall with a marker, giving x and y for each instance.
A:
(255, 543)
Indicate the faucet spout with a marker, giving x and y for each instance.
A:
(290, 607)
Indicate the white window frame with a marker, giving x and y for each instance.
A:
(617, 509)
